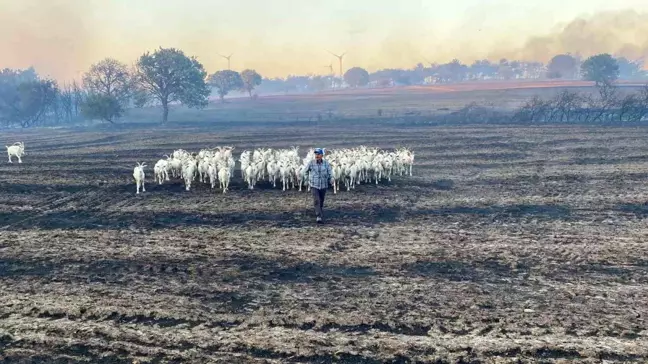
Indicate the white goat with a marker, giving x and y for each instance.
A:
(213, 175)
(17, 149)
(203, 169)
(224, 177)
(188, 172)
(160, 171)
(139, 176)
(251, 175)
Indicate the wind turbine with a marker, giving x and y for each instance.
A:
(432, 64)
(340, 58)
(227, 58)
(330, 67)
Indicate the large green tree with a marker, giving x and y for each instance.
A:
(356, 77)
(102, 107)
(562, 66)
(601, 68)
(226, 81)
(168, 75)
(25, 98)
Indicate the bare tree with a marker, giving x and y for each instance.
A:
(109, 77)
(534, 110)
(78, 97)
(251, 79)
(66, 100)
(634, 107)
(603, 106)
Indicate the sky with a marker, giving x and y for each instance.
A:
(62, 38)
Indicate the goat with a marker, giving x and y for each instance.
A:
(188, 173)
(213, 174)
(251, 176)
(17, 149)
(224, 177)
(160, 171)
(139, 176)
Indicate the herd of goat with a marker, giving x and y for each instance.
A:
(350, 166)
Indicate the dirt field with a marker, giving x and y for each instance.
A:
(507, 245)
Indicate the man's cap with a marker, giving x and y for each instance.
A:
(319, 151)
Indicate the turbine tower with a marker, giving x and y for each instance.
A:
(228, 59)
(339, 57)
(331, 74)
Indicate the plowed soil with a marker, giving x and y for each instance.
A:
(506, 245)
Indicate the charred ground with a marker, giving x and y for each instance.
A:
(507, 243)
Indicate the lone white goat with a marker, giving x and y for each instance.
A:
(138, 174)
(17, 149)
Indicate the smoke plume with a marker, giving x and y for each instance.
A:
(620, 33)
(54, 36)
(62, 38)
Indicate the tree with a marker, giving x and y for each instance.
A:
(317, 83)
(70, 98)
(168, 75)
(562, 66)
(634, 107)
(24, 97)
(110, 88)
(226, 81)
(356, 77)
(78, 95)
(630, 70)
(601, 68)
(110, 78)
(505, 69)
(251, 79)
(102, 106)
(66, 101)
(454, 71)
(483, 68)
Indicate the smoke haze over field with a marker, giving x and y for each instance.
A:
(61, 38)
(621, 33)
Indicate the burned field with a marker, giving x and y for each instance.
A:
(507, 243)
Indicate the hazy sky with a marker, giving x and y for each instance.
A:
(61, 38)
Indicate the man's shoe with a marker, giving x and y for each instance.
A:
(319, 220)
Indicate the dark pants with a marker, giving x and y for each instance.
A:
(318, 200)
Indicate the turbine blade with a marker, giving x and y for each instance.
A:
(333, 54)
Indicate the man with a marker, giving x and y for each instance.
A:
(320, 175)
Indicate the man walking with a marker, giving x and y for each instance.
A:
(320, 175)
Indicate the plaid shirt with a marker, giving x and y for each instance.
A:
(320, 174)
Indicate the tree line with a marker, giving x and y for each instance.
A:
(163, 77)
(608, 104)
(560, 67)
(604, 104)
(167, 76)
